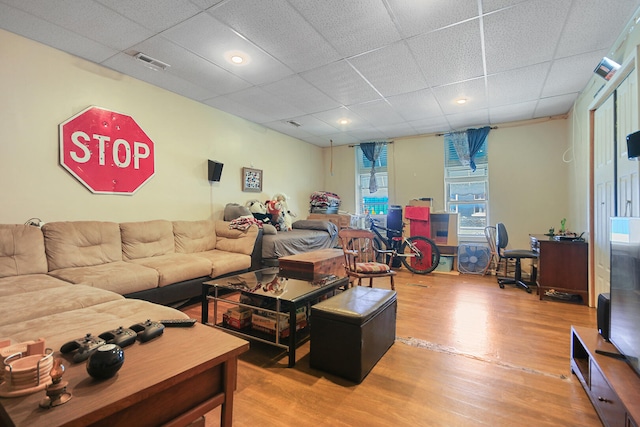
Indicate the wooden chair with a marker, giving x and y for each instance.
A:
(361, 257)
(493, 265)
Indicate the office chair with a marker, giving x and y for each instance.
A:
(502, 239)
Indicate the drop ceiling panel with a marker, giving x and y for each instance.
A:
(431, 125)
(473, 91)
(392, 70)
(522, 84)
(341, 82)
(280, 30)
(556, 105)
(512, 112)
(377, 113)
(359, 26)
(586, 31)
(368, 135)
(419, 17)
(301, 94)
(472, 119)
(394, 67)
(314, 125)
(35, 28)
(450, 55)
(246, 111)
(155, 15)
(262, 100)
(130, 66)
(191, 67)
(493, 5)
(523, 35)
(563, 75)
(332, 118)
(416, 105)
(89, 19)
(209, 38)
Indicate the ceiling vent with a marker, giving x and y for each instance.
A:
(150, 62)
(294, 124)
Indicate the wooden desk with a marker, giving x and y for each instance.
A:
(173, 379)
(562, 265)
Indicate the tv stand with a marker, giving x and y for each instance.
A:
(611, 384)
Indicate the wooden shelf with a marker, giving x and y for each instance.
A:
(611, 384)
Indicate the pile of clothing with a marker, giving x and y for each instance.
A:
(324, 202)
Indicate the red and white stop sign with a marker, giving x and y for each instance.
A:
(106, 151)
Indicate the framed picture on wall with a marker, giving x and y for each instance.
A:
(252, 180)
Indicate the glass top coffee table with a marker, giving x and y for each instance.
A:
(265, 301)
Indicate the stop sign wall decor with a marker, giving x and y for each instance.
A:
(106, 151)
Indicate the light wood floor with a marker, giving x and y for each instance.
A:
(467, 353)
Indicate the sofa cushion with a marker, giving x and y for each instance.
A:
(81, 243)
(21, 250)
(224, 262)
(174, 268)
(51, 301)
(60, 328)
(146, 239)
(14, 285)
(234, 240)
(194, 236)
(120, 276)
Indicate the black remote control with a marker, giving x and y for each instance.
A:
(178, 323)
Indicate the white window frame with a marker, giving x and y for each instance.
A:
(461, 174)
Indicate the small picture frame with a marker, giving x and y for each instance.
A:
(252, 180)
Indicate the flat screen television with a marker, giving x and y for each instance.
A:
(624, 321)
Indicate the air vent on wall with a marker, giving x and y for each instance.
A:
(150, 62)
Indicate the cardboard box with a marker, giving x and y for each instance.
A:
(268, 324)
(236, 323)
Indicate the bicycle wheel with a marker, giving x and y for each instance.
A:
(427, 254)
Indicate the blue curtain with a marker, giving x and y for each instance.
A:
(371, 151)
(476, 138)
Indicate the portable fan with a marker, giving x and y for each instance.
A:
(473, 259)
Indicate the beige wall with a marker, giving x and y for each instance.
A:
(41, 87)
(528, 175)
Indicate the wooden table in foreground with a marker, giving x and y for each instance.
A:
(171, 380)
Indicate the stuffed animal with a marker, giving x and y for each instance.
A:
(259, 211)
(274, 208)
(287, 214)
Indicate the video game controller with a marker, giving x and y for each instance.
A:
(148, 330)
(121, 337)
(83, 347)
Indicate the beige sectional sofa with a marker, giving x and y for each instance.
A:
(71, 278)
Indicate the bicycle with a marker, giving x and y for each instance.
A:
(418, 254)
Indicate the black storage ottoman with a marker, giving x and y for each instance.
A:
(351, 331)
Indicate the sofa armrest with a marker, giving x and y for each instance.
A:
(233, 240)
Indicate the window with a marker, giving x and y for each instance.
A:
(466, 191)
(375, 203)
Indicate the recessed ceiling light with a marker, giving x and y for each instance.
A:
(237, 58)
(344, 121)
(461, 101)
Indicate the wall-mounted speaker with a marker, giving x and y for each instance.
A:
(604, 310)
(633, 145)
(215, 170)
